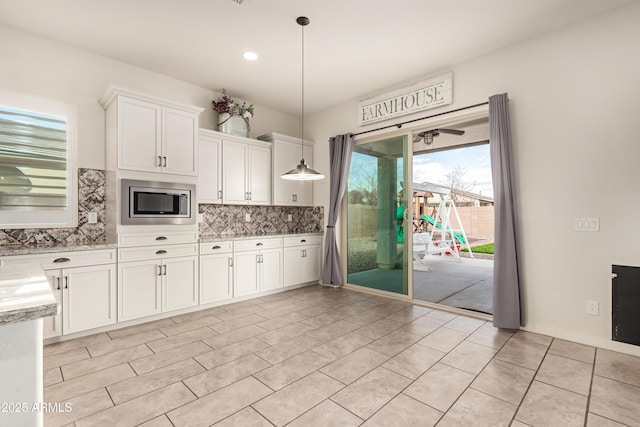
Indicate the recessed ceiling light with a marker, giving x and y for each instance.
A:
(250, 56)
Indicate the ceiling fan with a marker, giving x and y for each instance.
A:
(427, 135)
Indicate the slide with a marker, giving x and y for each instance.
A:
(458, 236)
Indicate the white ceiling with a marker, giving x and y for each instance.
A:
(353, 48)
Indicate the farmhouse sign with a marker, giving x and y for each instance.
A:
(421, 96)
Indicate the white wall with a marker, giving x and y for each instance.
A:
(575, 104)
(41, 67)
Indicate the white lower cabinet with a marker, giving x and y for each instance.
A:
(302, 259)
(166, 282)
(88, 297)
(216, 271)
(84, 284)
(258, 265)
(52, 325)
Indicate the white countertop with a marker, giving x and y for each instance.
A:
(25, 294)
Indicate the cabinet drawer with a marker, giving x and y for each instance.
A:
(302, 240)
(257, 244)
(216, 247)
(144, 239)
(156, 252)
(64, 259)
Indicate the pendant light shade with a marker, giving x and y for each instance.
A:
(302, 172)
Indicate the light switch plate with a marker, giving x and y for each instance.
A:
(247, 217)
(586, 224)
(289, 218)
(92, 217)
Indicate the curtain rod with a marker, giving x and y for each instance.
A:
(399, 125)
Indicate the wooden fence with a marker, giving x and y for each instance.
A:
(478, 221)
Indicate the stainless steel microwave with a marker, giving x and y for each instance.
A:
(149, 202)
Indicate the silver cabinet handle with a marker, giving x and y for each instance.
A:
(216, 247)
(259, 244)
(159, 161)
(58, 260)
(249, 195)
(230, 262)
(219, 194)
(164, 163)
(161, 238)
(164, 270)
(159, 270)
(66, 282)
(160, 252)
(57, 283)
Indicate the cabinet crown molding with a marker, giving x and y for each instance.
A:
(113, 91)
(274, 136)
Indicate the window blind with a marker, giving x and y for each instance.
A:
(33, 160)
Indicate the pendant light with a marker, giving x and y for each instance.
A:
(302, 172)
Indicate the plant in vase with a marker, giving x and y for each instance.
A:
(234, 118)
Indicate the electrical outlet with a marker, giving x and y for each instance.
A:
(593, 308)
(92, 217)
(586, 224)
(247, 217)
(289, 218)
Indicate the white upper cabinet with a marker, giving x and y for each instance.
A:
(209, 167)
(287, 152)
(246, 171)
(150, 135)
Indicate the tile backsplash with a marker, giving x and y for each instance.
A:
(91, 198)
(230, 220)
(219, 220)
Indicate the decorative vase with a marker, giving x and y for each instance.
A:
(235, 125)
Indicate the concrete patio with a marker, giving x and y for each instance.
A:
(467, 284)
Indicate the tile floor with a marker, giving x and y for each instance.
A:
(322, 357)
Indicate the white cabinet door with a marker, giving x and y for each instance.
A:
(292, 266)
(245, 279)
(139, 290)
(139, 135)
(52, 325)
(88, 297)
(285, 158)
(209, 168)
(179, 154)
(303, 190)
(259, 175)
(216, 278)
(234, 172)
(271, 269)
(311, 261)
(179, 283)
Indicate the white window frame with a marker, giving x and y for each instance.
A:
(67, 218)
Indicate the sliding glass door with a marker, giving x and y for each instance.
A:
(378, 226)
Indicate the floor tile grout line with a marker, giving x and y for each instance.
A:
(533, 378)
(593, 370)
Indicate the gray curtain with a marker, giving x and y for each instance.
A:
(340, 149)
(507, 311)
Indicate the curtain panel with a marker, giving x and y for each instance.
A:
(507, 307)
(340, 150)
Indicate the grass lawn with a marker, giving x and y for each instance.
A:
(481, 249)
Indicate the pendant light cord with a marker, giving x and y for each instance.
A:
(302, 24)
